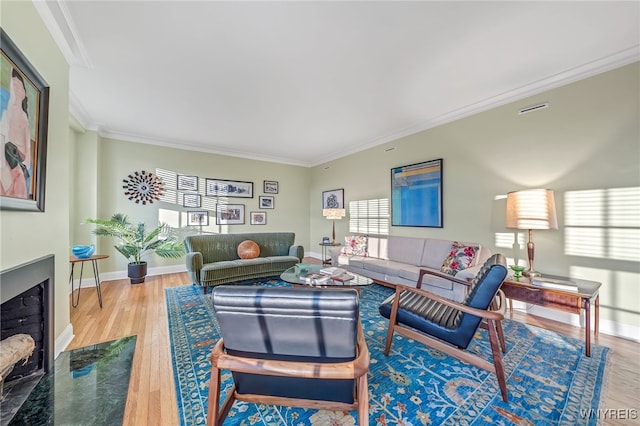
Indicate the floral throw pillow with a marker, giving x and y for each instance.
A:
(460, 257)
(355, 245)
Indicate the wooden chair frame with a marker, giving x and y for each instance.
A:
(356, 370)
(491, 321)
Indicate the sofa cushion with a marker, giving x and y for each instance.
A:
(357, 261)
(377, 247)
(435, 252)
(380, 266)
(409, 272)
(460, 257)
(355, 245)
(406, 249)
(396, 269)
(413, 272)
(282, 261)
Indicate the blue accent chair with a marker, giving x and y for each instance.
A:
(449, 326)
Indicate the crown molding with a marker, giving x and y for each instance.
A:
(78, 112)
(572, 75)
(599, 66)
(169, 143)
(57, 19)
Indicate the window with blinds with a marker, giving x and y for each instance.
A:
(369, 216)
(603, 223)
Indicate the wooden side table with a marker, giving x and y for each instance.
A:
(561, 293)
(96, 276)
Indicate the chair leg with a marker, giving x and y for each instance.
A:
(363, 400)
(214, 398)
(494, 305)
(387, 346)
(503, 344)
(227, 404)
(497, 360)
(392, 322)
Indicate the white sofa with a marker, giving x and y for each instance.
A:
(398, 260)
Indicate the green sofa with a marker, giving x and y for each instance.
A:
(212, 259)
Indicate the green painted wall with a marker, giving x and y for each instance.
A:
(117, 159)
(25, 236)
(588, 140)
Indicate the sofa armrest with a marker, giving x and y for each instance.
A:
(194, 265)
(335, 254)
(297, 251)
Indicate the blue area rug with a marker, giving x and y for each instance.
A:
(550, 381)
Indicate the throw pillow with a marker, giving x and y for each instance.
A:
(355, 245)
(248, 250)
(460, 257)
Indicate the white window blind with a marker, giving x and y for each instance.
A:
(369, 216)
(603, 223)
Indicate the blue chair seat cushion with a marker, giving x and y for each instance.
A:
(294, 387)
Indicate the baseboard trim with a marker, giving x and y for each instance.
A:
(88, 282)
(613, 328)
(63, 340)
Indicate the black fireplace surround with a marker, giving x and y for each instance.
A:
(27, 299)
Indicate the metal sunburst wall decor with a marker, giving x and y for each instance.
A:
(143, 187)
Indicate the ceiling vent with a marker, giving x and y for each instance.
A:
(533, 108)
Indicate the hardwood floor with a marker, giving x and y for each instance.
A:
(141, 310)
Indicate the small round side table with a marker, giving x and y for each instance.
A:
(96, 276)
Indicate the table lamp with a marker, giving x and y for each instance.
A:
(334, 214)
(531, 209)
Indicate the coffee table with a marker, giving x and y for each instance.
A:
(292, 276)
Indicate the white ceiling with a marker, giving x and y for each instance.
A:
(307, 82)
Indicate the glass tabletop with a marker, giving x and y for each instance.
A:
(323, 276)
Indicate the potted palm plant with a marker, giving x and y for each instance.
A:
(134, 242)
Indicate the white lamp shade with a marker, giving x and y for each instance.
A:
(531, 209)
(335, 214)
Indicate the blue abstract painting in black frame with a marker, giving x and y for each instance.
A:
(416, 194)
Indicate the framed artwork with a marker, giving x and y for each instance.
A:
(416, 194)
(266, 202)
(24, 112)
(228, 188)
(230, 214)
(198, 218)
(270, 187)
(187, 183)
(333, 199)
(191, 200)
(258, 218)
